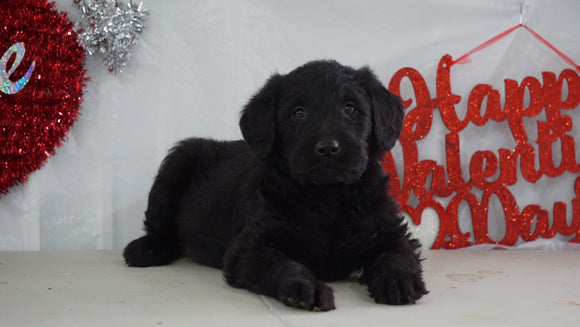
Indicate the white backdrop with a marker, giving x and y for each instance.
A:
(198, 62)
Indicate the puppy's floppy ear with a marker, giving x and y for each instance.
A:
(258, 120)
(387, 110)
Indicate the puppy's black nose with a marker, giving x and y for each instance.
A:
(327, 148)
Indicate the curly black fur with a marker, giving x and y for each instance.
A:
(301, 200)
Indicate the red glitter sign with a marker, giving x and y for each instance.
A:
(42, 79)
(449, 181)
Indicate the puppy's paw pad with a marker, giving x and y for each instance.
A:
(149, 251)
(306, 294)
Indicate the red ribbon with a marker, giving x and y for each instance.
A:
(465, 58)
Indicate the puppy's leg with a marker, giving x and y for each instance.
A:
(395, 274)
(189, 160)
(253, 265)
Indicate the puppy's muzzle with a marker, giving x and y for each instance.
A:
(327, 148)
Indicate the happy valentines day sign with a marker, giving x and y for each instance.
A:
(490, 171)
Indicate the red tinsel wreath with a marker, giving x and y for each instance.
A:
(35, 119)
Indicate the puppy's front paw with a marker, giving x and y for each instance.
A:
(306, 294)
(397, 288)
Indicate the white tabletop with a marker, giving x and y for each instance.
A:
(467, 288)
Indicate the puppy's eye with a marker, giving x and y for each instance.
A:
(299, 114)
(350, 109)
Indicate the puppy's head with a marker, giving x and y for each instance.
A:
(324, 120)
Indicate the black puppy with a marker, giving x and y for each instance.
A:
(302, 200)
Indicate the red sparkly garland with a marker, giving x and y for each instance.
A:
(447, 181)
(34, 120)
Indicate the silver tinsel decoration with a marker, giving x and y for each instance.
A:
(109, 27)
